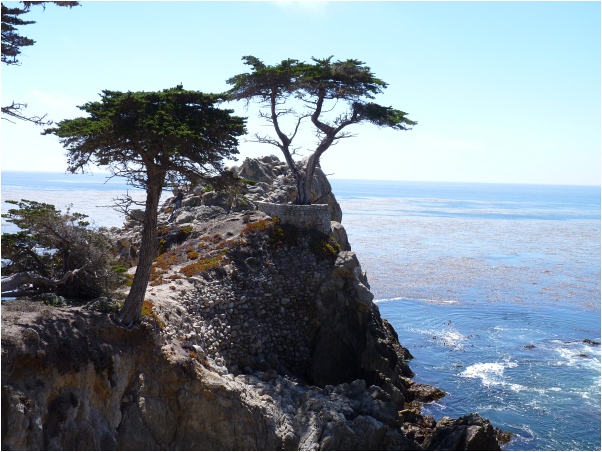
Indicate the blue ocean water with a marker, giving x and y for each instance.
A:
(90, 194)
(493, 288)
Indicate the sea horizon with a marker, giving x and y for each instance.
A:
(330, 178)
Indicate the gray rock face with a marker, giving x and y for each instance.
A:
(259, 170)
(278, 184)
(340, 235)
(470, 432)
(101, 387)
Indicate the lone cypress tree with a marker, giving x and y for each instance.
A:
(149, 138)
(334, 95)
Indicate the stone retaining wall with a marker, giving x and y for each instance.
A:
(269, 312)
(316, 216)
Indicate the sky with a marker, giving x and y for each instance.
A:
(503, 92)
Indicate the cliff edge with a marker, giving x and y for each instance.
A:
(258, 335)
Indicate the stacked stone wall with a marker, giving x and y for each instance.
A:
(269, 313)
(316, 216)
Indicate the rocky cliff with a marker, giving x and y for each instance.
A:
(258, 335)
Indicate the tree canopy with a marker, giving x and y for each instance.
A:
(323, 86)
(12, 43)
(177, 132)
(50, 249)
(149, 138)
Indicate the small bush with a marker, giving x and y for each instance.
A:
(51, 299)
(192, 255)
(325, 246)
(163, 230)
(249, 181)
(166, 260)
(103, 304)
(256, 226)
(129, 280)
(162, 246)
(161, 266)
(147, 310)
(119, 269)
(184, 232)
(49, 244)
(202, 265)
(224, 244)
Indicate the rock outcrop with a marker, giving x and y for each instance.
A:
(257, 335)
(276, 184)
(78, 382)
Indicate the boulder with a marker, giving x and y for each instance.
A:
(136, 214)
(192, 201)
(241, 204)
(470, 432)
(340, 235)
(258, 170)
(213, 198)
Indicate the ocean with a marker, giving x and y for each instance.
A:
(494, 289)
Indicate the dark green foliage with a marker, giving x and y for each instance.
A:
(335, 95)
(227, 184)
(12, 42)
(178, 132)
(249, 181)
(52, 299)
(283, 235)
(150, 138)
(324, 245)
(103, 304)
(184, 232)
(50, 244)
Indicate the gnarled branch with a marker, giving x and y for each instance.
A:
(13, 282)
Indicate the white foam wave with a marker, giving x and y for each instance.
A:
(423, 300)
(487, 372)
(491, 374)
(574, 354)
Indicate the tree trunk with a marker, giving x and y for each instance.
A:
(305, 180)
(13, 282)
(132, 308)
(303, 190)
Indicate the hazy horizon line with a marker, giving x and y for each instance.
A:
(93, 173)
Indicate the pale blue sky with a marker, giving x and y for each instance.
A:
(502, 91)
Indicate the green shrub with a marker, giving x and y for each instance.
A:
(249, 181)
(103, 304)
(51, 299)
(325, 246)
(49, 244)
